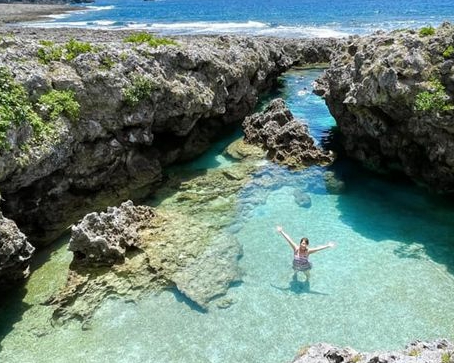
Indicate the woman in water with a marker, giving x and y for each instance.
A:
(301, 253)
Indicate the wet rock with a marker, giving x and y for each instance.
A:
(103, 239)
(302, 199)
(372, 89)
(417, 352)
(286, 139)
(210, 274)
(333, 185)
(15, 253)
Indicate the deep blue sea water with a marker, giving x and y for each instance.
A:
(295, 18)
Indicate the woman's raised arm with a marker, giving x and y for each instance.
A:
(287, 237)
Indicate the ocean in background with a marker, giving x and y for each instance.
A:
(290, 18)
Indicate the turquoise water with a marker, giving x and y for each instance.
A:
(388, 281)
(289, 18)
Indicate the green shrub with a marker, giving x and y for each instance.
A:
(51, 52)
(56, 103)
(435, 99)
(427, 30)
(74, 48)
(449, 51)
(446, 357)
(140, 88)
(107, 62)
(151, 40)
(16, 110)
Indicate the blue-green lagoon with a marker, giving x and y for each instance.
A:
(388, 281)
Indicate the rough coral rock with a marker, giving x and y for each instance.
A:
(417, 352)
(141, 108)
(104, 238)
(392, 97)
(15, 253)
(286, 139)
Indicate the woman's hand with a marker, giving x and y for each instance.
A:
(331, 244)
(279, 229)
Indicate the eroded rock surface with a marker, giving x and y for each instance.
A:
(15, 253)
(286, 139)
(392, 97)
(417, 352)
(103, 238)
(141, 108)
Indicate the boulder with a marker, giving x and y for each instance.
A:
(286, 139)
(15, 253)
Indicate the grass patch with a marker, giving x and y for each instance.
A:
(446, 357)
(140, 89)
(434, 99)
(449, 51)
(51, 52)
(426, 31)
(107, 62)
(151, 40)
(16, 110)
(56, 103)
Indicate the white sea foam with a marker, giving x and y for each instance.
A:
(100, 8)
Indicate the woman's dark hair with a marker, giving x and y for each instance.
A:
(304, 239)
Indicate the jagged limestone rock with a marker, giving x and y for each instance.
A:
(286, 139)
(392, 97)
(15, 253)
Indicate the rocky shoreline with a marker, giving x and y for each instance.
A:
(19, 12)
(107, 115)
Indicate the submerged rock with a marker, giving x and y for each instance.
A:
(392, 95)
(286, 139)
(417, 352)
(15, 253)
(210, 274)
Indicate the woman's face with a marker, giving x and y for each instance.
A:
(303, 244)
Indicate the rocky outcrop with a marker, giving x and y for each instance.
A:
(392, 97)
(103, 239)
(141, 108)
(15, 253)
(286, 139)
(417, 352)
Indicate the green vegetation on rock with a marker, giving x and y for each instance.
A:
(51, 52)
(446, 357)
(56, 103)
(426, 31)
(449, 52)
(140, 88)
(16, 110)
(434, 99)
(151, 40)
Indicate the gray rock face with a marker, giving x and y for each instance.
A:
(418, 352)
(192, 93)
(210, 274)
(286, 139)
(375, 88)
(103, 239)
(15, 253)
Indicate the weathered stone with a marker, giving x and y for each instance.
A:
(196, 90)
(286, 139)
(417, 352)
(371, 89)
(15, 253)
(302, 199)
(103, 239)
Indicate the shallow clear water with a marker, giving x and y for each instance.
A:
(289, 18)
(388, 281)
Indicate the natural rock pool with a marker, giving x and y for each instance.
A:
(388, 281)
